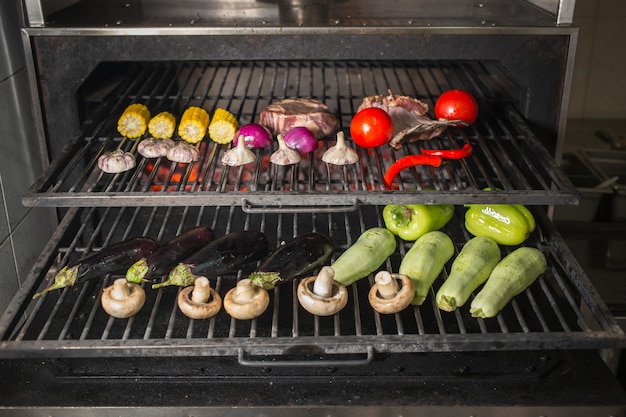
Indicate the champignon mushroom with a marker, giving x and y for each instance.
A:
(199, 301)
(320, 295)
(123, 299)
(391, 293)
(246, 301)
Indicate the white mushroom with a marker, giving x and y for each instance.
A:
(123, 299)
(391, 293)
(321, 295)
(199, 301)
(246, 301)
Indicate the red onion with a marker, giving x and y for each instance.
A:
(301, 139)
(255, 136)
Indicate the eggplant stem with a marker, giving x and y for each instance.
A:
(66, 277)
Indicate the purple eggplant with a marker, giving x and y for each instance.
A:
(167, 256)
(296, 257)
(111, 259)
(225, 255)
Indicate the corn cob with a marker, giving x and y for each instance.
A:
(162, 125)
(223, 126)
(133, 121)
(193, 124)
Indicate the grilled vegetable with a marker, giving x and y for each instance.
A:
(254, 135)
(507, 224)
(511, 276)
(340, 153)
(116, 161)
(364, 256)
(162, 125)
(225, 255)
(155, 148)
(183, 153)
(411, 221)
(123, 299)
(470, 268)
(134, 121)
(322, 295)
(170, 254)
(424, 262)
(239, 155)
(199, 301)
(193, 125)
(108, 260)
(301, 139)
(296, 257)
(284, 155)
(223, 127)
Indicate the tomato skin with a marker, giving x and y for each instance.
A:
(457, 105)
(371, 127)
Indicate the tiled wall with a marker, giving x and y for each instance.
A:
(23, 231)
(599, 83)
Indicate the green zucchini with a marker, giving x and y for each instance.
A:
(511, 276)
(424, 262)
(365, 256)
(470, 268)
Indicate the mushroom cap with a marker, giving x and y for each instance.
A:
(246, 308)
(123, 299)
(321, 306)
(199, 310)
(399, 302)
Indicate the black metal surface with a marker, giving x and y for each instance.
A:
(406, 384)
(507, 156)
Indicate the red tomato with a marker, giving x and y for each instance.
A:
(371, 127)
(457, 105)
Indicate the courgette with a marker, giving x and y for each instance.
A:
(424, 262)
(365, 256)
(512, 275)
(470, 268)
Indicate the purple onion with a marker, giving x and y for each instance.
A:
(254, 136)
(301, 139)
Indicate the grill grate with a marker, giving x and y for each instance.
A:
(560, 310)
(507, 156)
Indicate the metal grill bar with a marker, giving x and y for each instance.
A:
(507, 156)
(552, 313)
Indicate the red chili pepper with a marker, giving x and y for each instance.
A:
(461, 153)
(408, 162)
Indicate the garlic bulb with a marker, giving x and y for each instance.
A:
(154, 148)
(116, 161)
(239, 155)
(340, 153)
(183, 152)
(284, 155)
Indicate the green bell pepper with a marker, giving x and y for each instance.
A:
(411, 221)
(507, 224)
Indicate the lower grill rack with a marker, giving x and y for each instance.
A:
(561, 310)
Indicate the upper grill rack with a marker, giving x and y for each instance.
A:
(507, 156)
(560, 310)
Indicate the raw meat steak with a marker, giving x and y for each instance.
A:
(282, 116)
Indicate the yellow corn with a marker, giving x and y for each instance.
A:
(223, 126)
(133, 121)
(193, 124)
(162, 125)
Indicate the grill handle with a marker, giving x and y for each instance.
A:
(307, 363)
(252, 208)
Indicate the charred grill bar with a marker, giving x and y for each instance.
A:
(62, 354)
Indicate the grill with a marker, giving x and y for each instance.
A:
(61, 353)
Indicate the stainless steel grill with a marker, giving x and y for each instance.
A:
(561, 310)
(507, 156)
